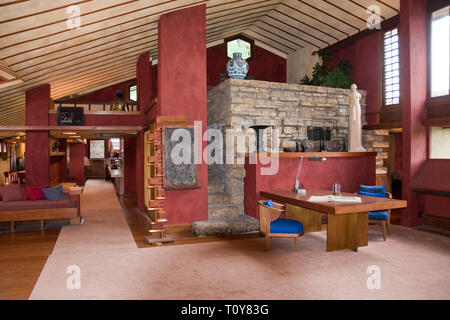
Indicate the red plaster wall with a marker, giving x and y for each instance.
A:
(398, 151)
(314, 175)
(365, 55)
(37, 160)
(264, 65)
(62, 161)
(413, 92)
(37, 101)
(140, 183)
(106, 94)
(143, 81)
(76, 164)
(129, 170)
(182, 91)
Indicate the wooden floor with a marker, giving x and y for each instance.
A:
(22, 258)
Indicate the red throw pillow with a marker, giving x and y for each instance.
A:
(24, 193)
(35, 193)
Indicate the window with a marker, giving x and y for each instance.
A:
(239, 45)
(440, 143)
(132, 93)
(115, 143)
(391, 68)
(440, 73)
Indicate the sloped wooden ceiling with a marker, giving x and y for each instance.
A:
(37, 46)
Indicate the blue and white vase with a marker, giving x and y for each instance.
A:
(237, 67)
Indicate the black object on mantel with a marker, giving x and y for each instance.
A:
(259, 137)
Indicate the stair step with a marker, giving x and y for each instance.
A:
(219, 198)
(156, 230)
(222, 211)
(216, 187)
(240, 224)
(214, 178)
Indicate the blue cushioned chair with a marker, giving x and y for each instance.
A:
(272, 226)
(382, 217)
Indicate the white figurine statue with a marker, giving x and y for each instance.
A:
(354, 122)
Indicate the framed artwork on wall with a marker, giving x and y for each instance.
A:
(97, 149)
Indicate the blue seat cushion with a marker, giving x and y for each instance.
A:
(373, 189)
(286, 226)
(269, 203)
(378, 215)
(54, 193)
(372, 194)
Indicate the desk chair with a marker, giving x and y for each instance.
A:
(382, 217)
(272, 226)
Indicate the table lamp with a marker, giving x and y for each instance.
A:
(297, 183)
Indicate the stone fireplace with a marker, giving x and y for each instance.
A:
(308, 118)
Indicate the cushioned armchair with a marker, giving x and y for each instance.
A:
(271, 225)
(382, 217)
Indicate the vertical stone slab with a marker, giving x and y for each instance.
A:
(182, 92)
(413, 94)
(37, 160)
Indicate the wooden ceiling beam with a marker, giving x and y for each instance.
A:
(65, 55)
(320, 12)
(301, 26)
(279, 39)
(268, 41)
(275, 25)
(145, 31)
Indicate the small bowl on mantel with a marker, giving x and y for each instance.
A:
(289, 149)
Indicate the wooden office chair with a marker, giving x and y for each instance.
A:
(382, 217)
(272, 226)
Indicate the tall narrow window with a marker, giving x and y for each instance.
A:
(440, 45)
(391, 68)
(133, 93)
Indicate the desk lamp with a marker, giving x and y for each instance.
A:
(297, 182)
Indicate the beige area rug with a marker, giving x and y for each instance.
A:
(104, 227)
(413, 265)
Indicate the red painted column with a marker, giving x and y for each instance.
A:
(413, 92)
(144, 82)
(37, 159)
(140, 184)
(76, 164)
(129, 171)
(182, 92)
(63, 161)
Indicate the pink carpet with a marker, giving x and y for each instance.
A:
(414, 265)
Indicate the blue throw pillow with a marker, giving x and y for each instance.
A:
(373, 189)
(54, 193)
(372, 194)
(269, 203)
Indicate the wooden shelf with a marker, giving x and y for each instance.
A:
(321, 154)
(437, 122)
(383, 125)
(57, 154)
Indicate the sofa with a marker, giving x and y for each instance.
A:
(37, 208)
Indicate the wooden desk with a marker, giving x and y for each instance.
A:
(347, 221)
